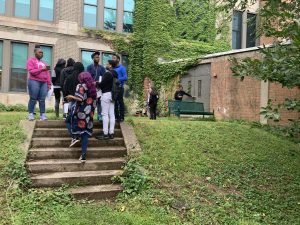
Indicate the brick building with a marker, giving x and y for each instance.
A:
(57, 25)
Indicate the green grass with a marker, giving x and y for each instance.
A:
(200, 173)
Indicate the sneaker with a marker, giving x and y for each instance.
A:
(102, 137)
(31, 117)
(82, 159)
(43, 117)
(111, 136)
(64, 116)
(73, 142)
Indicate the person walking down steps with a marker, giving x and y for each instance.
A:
(82, 112)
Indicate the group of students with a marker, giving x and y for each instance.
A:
(82, 92)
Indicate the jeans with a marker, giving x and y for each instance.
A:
(84, 144)
(108, 113)
(119, 106)
(37, 92)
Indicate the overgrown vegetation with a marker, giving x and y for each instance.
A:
(189, 172)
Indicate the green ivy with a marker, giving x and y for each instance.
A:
(163, 32)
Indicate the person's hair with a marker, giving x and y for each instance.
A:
(78, 67)
(37, 47)
(94, 54)
(86, 78)
(61, 63)
(113, 63)
(70, 62)
(118, 56)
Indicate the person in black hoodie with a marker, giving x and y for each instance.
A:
(66, 72)
(60, 65)
(72, 81)
(153, 100)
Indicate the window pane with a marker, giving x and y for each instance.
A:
(251, 30)
(237, 30)
(46, 10)
(90, 16)
(128, 22)
(199, 88)
(1, 52)
(125, 61)
(110, 16)
(2, 6)
(111, 4)
(22, 8)
(129, 5)
(105, 58)
(86, 58)
(91, 2)
(47, 55)
(18, 78)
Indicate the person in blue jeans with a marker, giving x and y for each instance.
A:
(82, 112)
(97, 71)
(39, 82)
(122, 77)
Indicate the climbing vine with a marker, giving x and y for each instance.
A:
(167, 39)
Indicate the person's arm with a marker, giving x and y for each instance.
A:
(105, 80)
(89, 69)
(187, 94)
(49, 80)
(32, 69)
(123, 75)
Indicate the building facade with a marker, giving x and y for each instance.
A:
(58, 27)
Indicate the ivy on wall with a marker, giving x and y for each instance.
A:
(162, 32)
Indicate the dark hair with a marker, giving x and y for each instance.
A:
(78, 67)
(36, 47)
(61, 63)
(118, 57)
(113, 63)
(94, 54)
(70, 62)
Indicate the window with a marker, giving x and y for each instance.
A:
(125, 61)
(199, 88)
(237, 30)
(106, 57)
(251, 30)
(47, 55)
(128, 16)
(2, 6)
(110, 14)
(1, 54)
(86, 58)
(46, 10)
(90, 13)
(18, 77)
(189, 87)
(22, 8)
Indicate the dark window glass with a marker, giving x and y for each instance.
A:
(110, 14)
(199, 88)
(1, 54)
(128, 16)
(125, 61)
(47, 55)
(18, 77)
(237, 30)
(90, 13)
(22, 8)
(106, 57)
(2, 6)
(46, 10)
(251, 30)
(86, 58)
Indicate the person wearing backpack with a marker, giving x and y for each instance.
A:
(152, 103)
(108, 86)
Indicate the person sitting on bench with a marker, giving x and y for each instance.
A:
(180, 93)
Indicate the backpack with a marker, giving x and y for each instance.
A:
(116, 89)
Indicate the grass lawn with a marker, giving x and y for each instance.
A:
(199, 173)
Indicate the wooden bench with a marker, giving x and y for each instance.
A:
(188, 108)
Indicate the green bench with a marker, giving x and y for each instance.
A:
(188, 108)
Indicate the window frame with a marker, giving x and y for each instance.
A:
(38, 13)
(97, 14)
(5, 7)
(247, 28)
(116, 19)
(236, 31)
(22, 17)
(126, 11)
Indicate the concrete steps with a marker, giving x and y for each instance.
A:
(51, 163)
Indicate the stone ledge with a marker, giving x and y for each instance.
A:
(130, 139)
(28, 127)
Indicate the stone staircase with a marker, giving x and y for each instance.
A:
(51, 163)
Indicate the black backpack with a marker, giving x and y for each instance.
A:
(116, 88)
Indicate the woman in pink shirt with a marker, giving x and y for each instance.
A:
(39, 83)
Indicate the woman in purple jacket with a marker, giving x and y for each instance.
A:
(39, 83)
